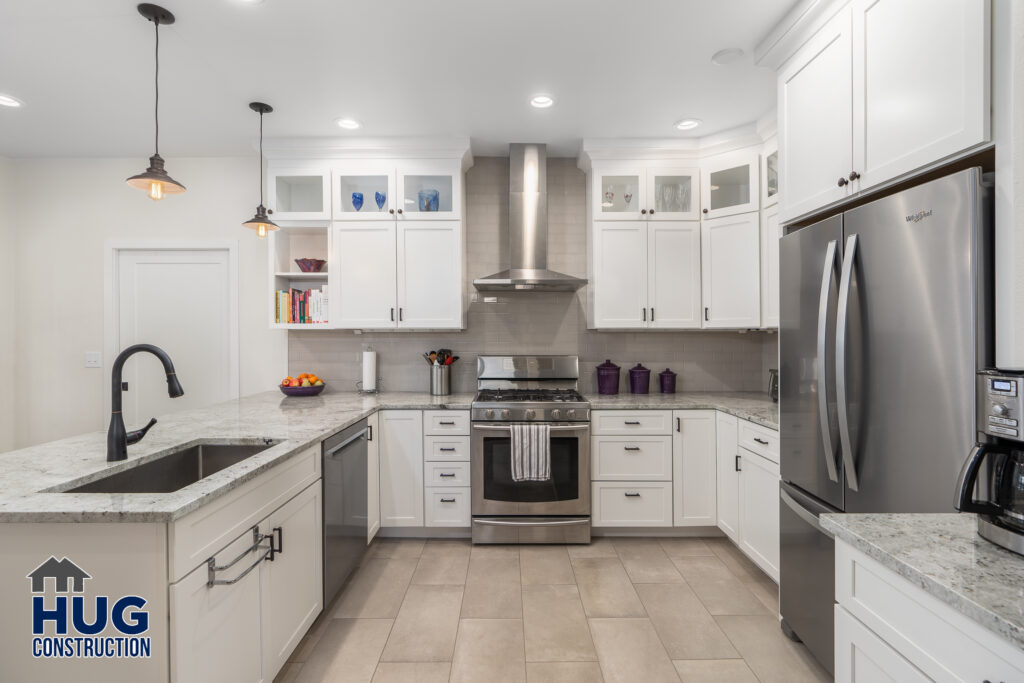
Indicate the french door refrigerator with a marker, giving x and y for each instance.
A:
(885, 317)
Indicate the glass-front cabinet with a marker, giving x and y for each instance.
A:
(770, 173)
(672, 194)
(299, 193)
(617, 195)
(429, 190)
(729, 184)
(364, 192)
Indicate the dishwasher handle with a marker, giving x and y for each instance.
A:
(341, 446)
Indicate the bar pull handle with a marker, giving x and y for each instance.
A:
(447, 500)
(737, 464)
(392, 315)
(446, 474)
(446, 450)
(652, 314)
(679, 424)
(369, 433)
(632, 422)
(631, 448)
(276, 534)
(823, 413)
(400, 318)
(761, 441)
(707, 311)
(632, 494)
(447, 423)
(842, 321)
(644, 310)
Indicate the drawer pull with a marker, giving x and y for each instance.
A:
(446, 474)
(447, 500)
(632, 494)
(447, 450)
(632, 422)
(738, 468)
(447, 423)
(761, 441)
(631, 448)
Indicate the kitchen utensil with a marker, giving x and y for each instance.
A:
(310, 265)
(449, 360)
(608, 378)
(639, 380)
(426, 357)
(357, 200)
(667, 379)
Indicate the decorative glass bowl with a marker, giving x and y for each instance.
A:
(310, 265)
(428, 200)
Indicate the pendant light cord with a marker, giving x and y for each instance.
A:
(261, 158)
(156, 87)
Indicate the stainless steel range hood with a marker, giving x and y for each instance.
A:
(528, 229)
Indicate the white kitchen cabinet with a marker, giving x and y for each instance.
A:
(372, 476)
(620, 275)
(674, 275)
(815, 103)
(694, 468)
(430, 274)
(671, 193)
(863, 657)
(291, 581)
(631, 458)
(729, 184)
(356, 188)
(645, 191)
(731, 264)
(617, 193)
(771, 233)
(631, 504)
(759, 511)
(365, 275)
(448, 507)
(728, 484)
(299, 191)
(429, 190)
(770, 173)
(401, 468)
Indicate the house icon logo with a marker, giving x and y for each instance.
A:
(62, 572)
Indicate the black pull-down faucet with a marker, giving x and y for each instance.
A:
(117, 439)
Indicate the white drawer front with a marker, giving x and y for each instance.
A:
(446, 474)
(863, 657)
(637, 504)
(440, 422)
(447, 506)
(627, 422)
(446, 448)
(760, 440)
(623, 458)
(929, 633)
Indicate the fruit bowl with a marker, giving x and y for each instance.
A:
(303, 391)
(310, 265)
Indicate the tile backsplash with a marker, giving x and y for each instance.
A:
(533, 322)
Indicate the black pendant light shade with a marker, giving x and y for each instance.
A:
(155, 181)
(260, 223)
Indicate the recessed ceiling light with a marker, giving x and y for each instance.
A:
(348, 124)
(542, 101)
(687, 124)
(729, 55)
(10, 101)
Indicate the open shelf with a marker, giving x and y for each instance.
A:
(322, 275)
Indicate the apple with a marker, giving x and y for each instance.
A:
(318, 383)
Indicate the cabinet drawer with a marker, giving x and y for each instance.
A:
(441, 422)
(446, 448)
(639, 504)
(447, 506)
(446, 474)
(934, 637)
(628, 422)
(760, 440)
(623, 458)
(863, 657)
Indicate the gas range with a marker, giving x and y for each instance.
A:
(529, 389)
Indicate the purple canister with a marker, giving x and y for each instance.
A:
(668, 381)
(608, 378)
(639, 380)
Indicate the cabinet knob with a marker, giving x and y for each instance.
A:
(705, 210)
(843, 181)
(391, 211)
(854, 175)
(652, 212)
(644, 211)
(399, 211)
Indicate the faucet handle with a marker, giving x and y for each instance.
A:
(137, 435)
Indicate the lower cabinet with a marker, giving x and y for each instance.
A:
(728, 485)
(401, 467)
(447, 506)
(863, 657)
(693, 468)
(373, 477)
(642, 503)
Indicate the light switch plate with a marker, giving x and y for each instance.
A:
(93, 359)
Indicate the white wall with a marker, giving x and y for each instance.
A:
(66, 211)
(8, 248)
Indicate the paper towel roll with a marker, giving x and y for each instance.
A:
(369, 370)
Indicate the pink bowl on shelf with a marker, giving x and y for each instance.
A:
(310, 265)
(302, 391)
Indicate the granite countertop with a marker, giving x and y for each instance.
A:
(748, 405)
(944, 555)
(33, 480)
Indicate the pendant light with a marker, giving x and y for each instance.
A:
(155, 180)
(260, 223)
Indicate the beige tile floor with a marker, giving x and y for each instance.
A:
(616, 610)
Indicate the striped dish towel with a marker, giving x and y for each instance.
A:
(531, 452)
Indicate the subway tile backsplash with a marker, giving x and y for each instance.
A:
(525, 322)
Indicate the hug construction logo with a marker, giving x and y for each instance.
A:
(79, 620)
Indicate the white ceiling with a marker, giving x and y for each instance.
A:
(401, 67)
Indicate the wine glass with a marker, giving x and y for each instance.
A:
(609, 197)
(628, 196)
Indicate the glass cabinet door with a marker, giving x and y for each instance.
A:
(729, 184)
(770, 174)
(364, 194)
(673, 194)
(618, 196)
(299, 194)
(429, 192)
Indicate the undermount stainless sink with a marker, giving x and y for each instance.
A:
(177, 469)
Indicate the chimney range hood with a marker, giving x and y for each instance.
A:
(528, 229)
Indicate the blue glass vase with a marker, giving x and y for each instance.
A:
(357, 200)
(428, 200)
(380, 198)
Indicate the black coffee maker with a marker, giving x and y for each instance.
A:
(991, 482)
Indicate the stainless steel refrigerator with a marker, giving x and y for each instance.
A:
(885, 319)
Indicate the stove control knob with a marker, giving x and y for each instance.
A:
(489, 414)
(571, 413)
(530, 414)
(505, 413)
(555, 414)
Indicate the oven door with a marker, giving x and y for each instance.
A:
(566, 493)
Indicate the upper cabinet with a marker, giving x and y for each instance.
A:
(672, 194)
(770, 173)
(646, 192)
(729, 184)
(731, 262)
(363, 191)
(884, 88)
(617, 194)
(299, 192)
(415, 190)
(771, 233)
(429, 190)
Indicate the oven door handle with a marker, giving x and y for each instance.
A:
(553, 522)
(554, 428)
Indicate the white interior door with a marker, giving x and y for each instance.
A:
(185, 302)
(673, 276)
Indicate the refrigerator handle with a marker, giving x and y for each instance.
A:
(823, 413)
(842, 319)
(803, 513)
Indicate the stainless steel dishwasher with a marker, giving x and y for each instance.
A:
(345, 504)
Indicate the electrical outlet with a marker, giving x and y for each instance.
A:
(93, 359)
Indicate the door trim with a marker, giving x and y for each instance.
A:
(111, 314)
